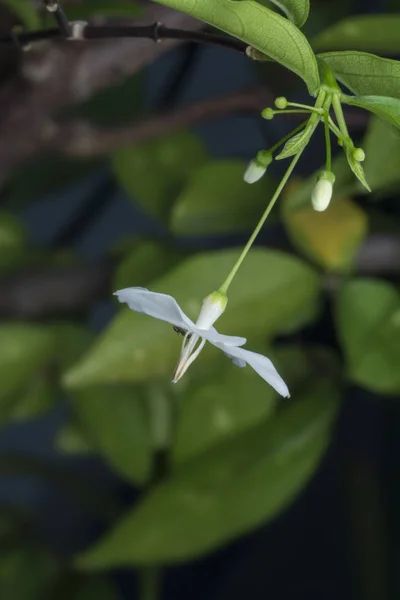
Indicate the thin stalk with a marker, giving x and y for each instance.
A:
(288, 136)
(224, 287)
(337, 107)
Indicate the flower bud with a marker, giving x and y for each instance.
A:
(268, 113)
(257, 166)
(322, 192)
(281, 103)
(359, 154)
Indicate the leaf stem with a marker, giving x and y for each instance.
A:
(337, 107)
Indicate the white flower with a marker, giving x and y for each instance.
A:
(165, 308)
(254, 172)
(322, 192)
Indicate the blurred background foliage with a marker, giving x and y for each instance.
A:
(161, 476)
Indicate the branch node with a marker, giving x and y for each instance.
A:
(78, 30)
(156, 29)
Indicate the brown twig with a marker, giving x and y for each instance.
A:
(79, 138)
(59, 75)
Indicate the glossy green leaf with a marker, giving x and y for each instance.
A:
(225, 404)
(367, 33)
(365, 74)
(145, 263)
(13, 242)
(225, 492)
(330, 238)
(382, 156)
(217, 200)
(115, 419)
(26, 574)
(25, 11)
(261, 28)
(386, 108)
(296, 10)
(273, 292)
(154, 173)
(24, 350)
(368, 324)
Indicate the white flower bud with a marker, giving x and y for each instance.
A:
(254, 172)
(322, 192)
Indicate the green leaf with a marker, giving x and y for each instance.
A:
(25, 11)
(148, 260)
(153, 173)
(213, 410)
(24, 350)
(331, 238)
(36, 399)
(217, 200)
(26, 574)
(13, 242)
(368, 322)
(72, 340)
(71, 439)
(114, 418)
(295, 10)
(367, 33)
(386, 108)
(261, 28)
(356, 167)
(274, 292)
(295, 144)
(365, 74)
(382, 156)
(225, 492)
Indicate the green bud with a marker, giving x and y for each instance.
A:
(268, 114)
(281, 103)
(264, 157)
(358, 154)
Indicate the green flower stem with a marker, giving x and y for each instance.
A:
(306, 107)
(337, 107)
(326, 107)
(224, 287)
(333, 127)
(310, 126)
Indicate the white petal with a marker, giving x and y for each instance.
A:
(159, 306)
(212, 335)
(261, 364)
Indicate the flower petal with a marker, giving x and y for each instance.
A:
(159, 306)
(212, 335)
(261, 364)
